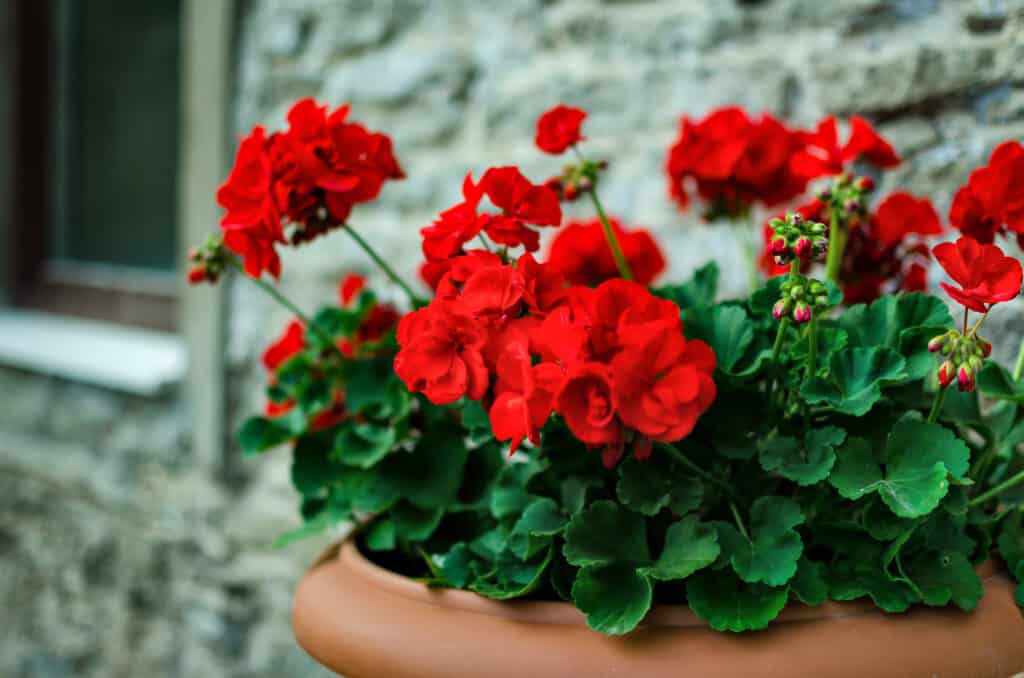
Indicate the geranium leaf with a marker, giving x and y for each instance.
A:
(574, 492)
(806, 464)
(363, 445)
(259, 434)
(606, 534)
(312, 469)
(542, 517)
(689, 546)
(415, 524)
(728, 604)
(512, 579)
(921, 457)
(700, 290)
(649, 486)
(615, 598)
(946, 576)
(772, 551)
(726, 329)
(381, 536)
(428, 476)
(509, 495)
(856, 472)
(856, 379)
(454, 565)
(809, 585)
(995, 382)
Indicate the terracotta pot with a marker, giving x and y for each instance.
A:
(362, 621)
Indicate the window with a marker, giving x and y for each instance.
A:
(96, 169)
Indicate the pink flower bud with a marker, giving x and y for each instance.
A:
(938, 342)
(986, 348)
(781, 308)
(946, 373)
(965, 379)
(779, 246)
(865, 184)
(196, 275)
(852, 205)
(802, 313)
(803, 246)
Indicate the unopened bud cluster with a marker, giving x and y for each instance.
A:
(576, 179)
(848, 196)
(801, 298)
(965, 356)
(207, 263)
(795, 236)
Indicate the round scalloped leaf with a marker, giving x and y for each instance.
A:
(649, 486)
(944, 577)
(606, 534)
(615, 598)
(728, 604)
(689, 546)
(809, 586)
(771, 554)
(807, 464)
(856, 379)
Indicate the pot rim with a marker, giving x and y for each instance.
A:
(557, 612)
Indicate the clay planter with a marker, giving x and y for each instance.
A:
(362, 621)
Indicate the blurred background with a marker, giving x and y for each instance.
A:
(133, 539)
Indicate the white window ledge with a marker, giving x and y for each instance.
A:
(134, 360)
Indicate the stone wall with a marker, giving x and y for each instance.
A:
(121, 557)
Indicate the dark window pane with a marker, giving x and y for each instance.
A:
(121, 109)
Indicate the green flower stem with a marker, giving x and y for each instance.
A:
(609, 233)
(940, 396)
(980, 468)
(678, 455)
(284, 301)
(836, 245)
(483, 241)
(416, 301)
(998, 489)
(779, 335)
(1018, 369)
(812, 347)
(739, 519)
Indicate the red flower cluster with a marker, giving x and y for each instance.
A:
(735, 161)
(559, 128)
(883, 253)
(986, 276)
(287, 346)
(581, 253)
(611, 361)
(309, 176)
(520, 201)
(992, 201)
(380, 320)
(822, 155)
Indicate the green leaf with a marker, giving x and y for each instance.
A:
(513, 579)
(764, 298)
(315, 397)
(996, 382)
(649, 486)
(771, 553)
(429, 476)
(809, 586)
(700, 290)
(856, 379)
(381, 536)
(728, 604)
(454, 565)
(335, 322)
(259, 434)
(312, 469)
(615, 598)
(689, 546)
(363, 445)
(415, 524)
(574, 492)
(370, 384)
(946, 576)
(509, 495)
(541, 518)
(606, 534)
(856, 472)
(921, 458)
(807, 464)
(725, 328)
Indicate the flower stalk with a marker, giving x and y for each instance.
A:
(414, 299)
(1007, 484)
(609, 232)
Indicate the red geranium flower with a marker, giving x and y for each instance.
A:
(992, 202)
(986, 276)
(522, 203)
(901, 214)
(822, 155)
(525, 397)
(586, 402)
(441, 354)
(559, 128)
(662, 385)
(734, 161)
(291, 342)
(869, 145)
(581, 253)
(350, 287)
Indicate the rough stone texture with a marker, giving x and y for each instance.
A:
(122, 558)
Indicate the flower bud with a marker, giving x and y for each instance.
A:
(986, 348)
(781, 308)
(825, 194)
(865, 184)
(802, 313)
(821, 300)
(779, 246)
(965, 379)
(803, 247)
(796, 218)
(796, 291)
(946, 373)
(196, 275)
(938, 343)
(555, 184)
(584, 184)
(570, 192)
(852, 205)
(817, 228)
